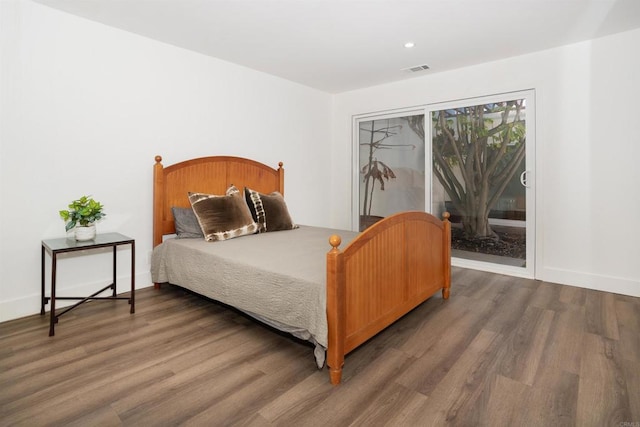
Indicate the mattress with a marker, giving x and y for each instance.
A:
(277, 277)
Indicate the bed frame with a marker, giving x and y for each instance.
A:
(369, 286)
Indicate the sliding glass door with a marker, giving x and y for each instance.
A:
(390, 166)
(482, 151)
(472, 158)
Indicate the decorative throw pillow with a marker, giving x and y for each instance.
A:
(187, 226)
(232, 190)
(269, 211)
(222, 217)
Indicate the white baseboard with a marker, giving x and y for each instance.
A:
(616, 285)
(29, 305)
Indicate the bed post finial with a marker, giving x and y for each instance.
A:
(158, 159)
(335, 241)
(280, 178)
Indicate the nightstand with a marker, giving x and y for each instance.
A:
(64, 245)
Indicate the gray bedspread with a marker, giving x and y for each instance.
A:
(277, 277)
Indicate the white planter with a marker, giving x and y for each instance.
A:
(85, 233)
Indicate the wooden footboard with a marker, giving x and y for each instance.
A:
(389, 269)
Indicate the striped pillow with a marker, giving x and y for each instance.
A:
(269, 211)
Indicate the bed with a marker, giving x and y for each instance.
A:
(335, 288)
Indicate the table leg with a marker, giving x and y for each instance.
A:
(113, 284)
(52, 320)
(42, 282)
(133, 278)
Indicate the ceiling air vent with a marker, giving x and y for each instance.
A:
(416, 69)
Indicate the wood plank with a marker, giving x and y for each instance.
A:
(438, 354)
(526, 344)
(452, 399)
(628, 316)
(602, 396)
(601, 315)
(354, 396)
(563, 347)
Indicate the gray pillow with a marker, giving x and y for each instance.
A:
(186, 223)
(222, 217)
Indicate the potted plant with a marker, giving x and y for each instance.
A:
(81, 217)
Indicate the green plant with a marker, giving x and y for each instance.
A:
(83, 211)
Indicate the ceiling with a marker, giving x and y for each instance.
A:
(342, 45)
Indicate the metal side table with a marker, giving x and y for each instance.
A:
(63, 245)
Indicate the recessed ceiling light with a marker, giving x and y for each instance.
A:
(409, 45)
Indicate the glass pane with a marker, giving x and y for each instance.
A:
(391, 167)
(478, 161)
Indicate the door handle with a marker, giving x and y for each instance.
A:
(523, 179)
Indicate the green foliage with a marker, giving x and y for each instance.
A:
(476, 152)
(84, 211)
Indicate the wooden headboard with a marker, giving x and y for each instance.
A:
(212, 175)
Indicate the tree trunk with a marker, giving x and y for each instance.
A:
(474, 170)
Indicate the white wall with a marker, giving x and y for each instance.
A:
(587, 178)
(73, 91)
(84, 110)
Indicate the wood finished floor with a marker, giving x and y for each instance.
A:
(502, 351)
